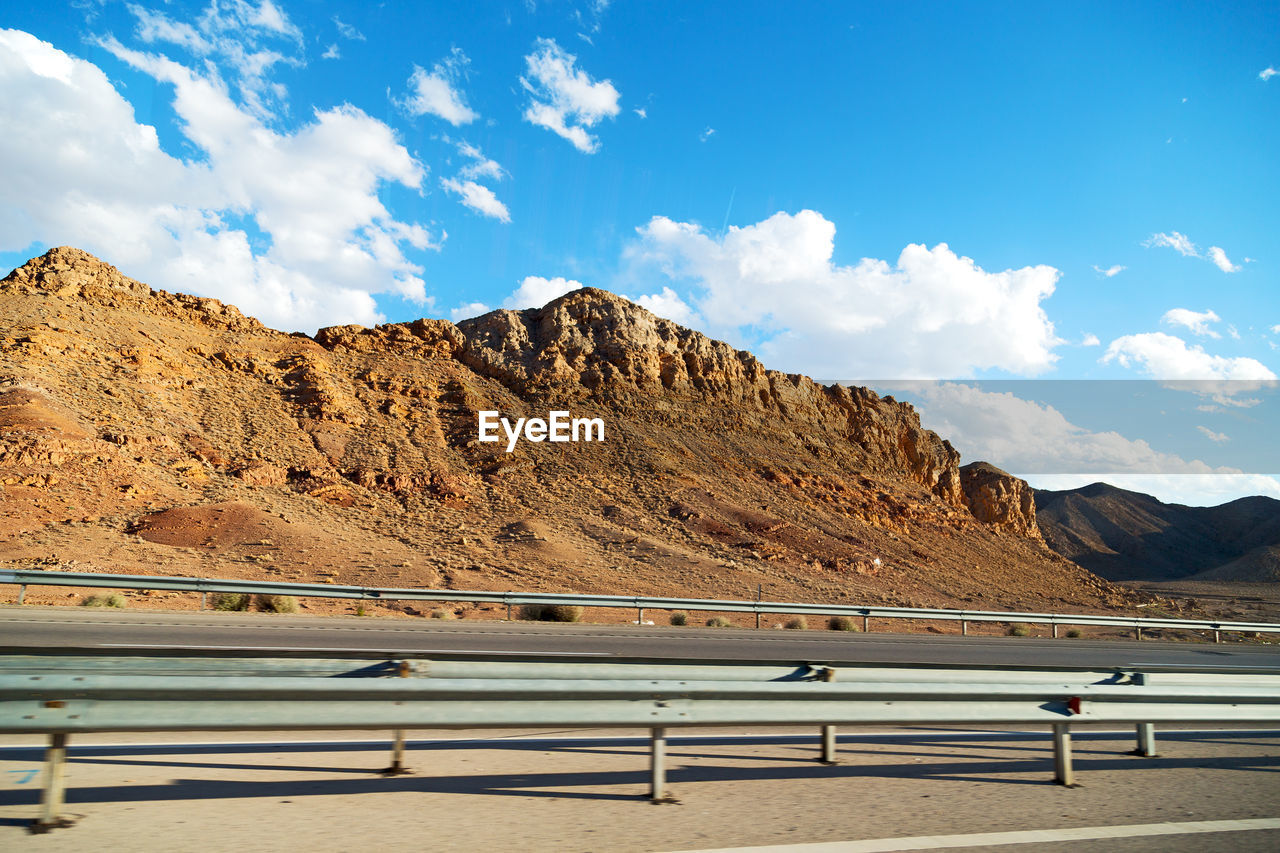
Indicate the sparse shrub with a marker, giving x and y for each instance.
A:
(1018, 629)
(796, 623)
(718, 622)
(230, 601)
(551, 613)
(441, 613)
(360, 610)
(275, 603)
(103, 599)
(679, 617)
(1073, 633)
(841, 623)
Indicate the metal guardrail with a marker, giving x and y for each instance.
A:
(204, 586)
(58, 694)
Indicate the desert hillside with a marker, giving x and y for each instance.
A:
(148, 432)
(1125, 535)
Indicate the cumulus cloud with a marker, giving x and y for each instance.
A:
(535, 291)
(669, 305)
(1164, 356)
(1090, 340)
(1109, 272)
(1221, 261)
(932, 313)
(245, 38)
(1173, 240)
(470, 309)
(479, 198)
(1198, 323)
(1027, 437)
(436, 92)
(1267, 73)
(563, 98)
(287, 226)
(1215, 437)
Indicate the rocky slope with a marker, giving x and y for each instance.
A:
(145, 431)
(1125, 535)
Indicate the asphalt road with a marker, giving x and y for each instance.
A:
(77, 627)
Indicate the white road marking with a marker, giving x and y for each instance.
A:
(1030, 836)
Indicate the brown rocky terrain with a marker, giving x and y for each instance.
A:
(149, 432)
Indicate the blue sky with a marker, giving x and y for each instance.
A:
(853, 191)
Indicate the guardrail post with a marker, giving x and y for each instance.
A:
(1054, 625)
(1146, 740)
(1138, 630)
(397, 767)
(22, 592)
(55, 785)
(658, 764)
(203, 596)
(866, 624)
(640, 620)
(964, 627)
(1217, 635)
(1062, 773)
(828, 745)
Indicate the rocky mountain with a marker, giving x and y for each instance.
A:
(150, 432)
(1125, 535)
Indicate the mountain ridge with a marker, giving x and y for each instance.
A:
(166, 432)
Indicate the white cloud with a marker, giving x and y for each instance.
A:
(1267, 73)
(564, 99)
(1275, 330)
(1198, 323)
(470, 309)
(1090, 340)
(1174, 240)
(535, 291)
(436, 93)
(667, 304)
(347, 31)
(331, 52)
(1233, 332)
(76, 167)
(1221, 261)
(641, 111)
(1183, 245)
(245, 38)
(1109, 272)
(1025, 436)
(479, 198)
(930, 314)
(480, 166)
(1163, 356)
(1187, 489)
(1215, 437)
(706, 134)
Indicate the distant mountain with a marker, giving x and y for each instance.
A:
(1123, 535)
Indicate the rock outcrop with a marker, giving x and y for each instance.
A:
(999, 499)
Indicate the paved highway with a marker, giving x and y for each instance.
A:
(77, 627)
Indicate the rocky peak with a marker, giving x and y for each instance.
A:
(69, 272)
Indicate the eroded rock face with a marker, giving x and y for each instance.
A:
(999, 499)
